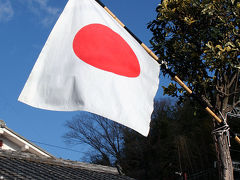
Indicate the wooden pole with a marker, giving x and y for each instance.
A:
(175, 77)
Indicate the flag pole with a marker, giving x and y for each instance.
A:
(173, 75)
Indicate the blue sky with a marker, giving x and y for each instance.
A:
(24, 28)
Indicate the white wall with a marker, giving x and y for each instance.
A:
(8, 145)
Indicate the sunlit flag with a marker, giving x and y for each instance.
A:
(91, 63)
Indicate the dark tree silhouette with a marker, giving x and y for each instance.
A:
(103, 136)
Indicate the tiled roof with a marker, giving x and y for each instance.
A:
(26, 166)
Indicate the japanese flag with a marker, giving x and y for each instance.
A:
(91, 63)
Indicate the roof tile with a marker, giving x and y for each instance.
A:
(24, 166)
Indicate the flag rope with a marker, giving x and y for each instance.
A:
(173, 75)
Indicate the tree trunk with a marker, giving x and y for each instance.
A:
(225, 166)
(224, 159)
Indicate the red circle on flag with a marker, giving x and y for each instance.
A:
(101, 47)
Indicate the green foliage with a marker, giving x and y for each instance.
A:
(200, 41)
(179, 141)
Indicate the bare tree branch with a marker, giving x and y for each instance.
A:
(102, 135)
(232, 80)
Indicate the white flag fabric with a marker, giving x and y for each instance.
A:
(90, 63)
